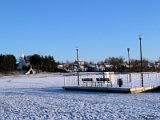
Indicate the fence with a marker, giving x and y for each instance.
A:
(149, 79)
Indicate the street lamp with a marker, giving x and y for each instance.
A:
(77, 66)
(140, 39)
(129, 61)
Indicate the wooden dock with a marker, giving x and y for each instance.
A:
(111, 89)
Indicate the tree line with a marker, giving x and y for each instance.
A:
(118, 64)
(43, 63)
(8, 63)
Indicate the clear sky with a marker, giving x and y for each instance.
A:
(100, 28)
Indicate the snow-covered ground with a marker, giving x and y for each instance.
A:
(41, 97)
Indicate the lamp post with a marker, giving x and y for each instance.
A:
(129, 61)
(140, 39)
(77, 66)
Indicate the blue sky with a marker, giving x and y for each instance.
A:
(100, 28)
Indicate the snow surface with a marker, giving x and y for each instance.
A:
(41, 97)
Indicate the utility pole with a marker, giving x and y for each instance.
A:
(77, 66)
(140, 39)
(129, 62)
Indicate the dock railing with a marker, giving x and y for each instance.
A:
(92, 79)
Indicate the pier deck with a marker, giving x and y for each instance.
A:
(111, 89)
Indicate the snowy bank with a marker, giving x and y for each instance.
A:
(41, 97)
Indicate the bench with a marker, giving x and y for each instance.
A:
(101, 81)
(87, 81)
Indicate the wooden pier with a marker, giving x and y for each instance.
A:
(112, 83)
(112, 89)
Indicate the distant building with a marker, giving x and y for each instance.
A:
(93, 68)
(22, 62)
(157, 64)
(30, 71)
(60, 66)
(81, 64)
(24, 65)
(101, 67)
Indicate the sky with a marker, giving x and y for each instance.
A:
(99, 28)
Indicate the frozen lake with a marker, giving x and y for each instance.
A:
(40, 97)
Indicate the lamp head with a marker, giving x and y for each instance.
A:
(140, 37)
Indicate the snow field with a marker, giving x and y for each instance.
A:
(40, 97)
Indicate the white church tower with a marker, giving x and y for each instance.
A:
(22, 62)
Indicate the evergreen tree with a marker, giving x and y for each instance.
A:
(7, 63)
